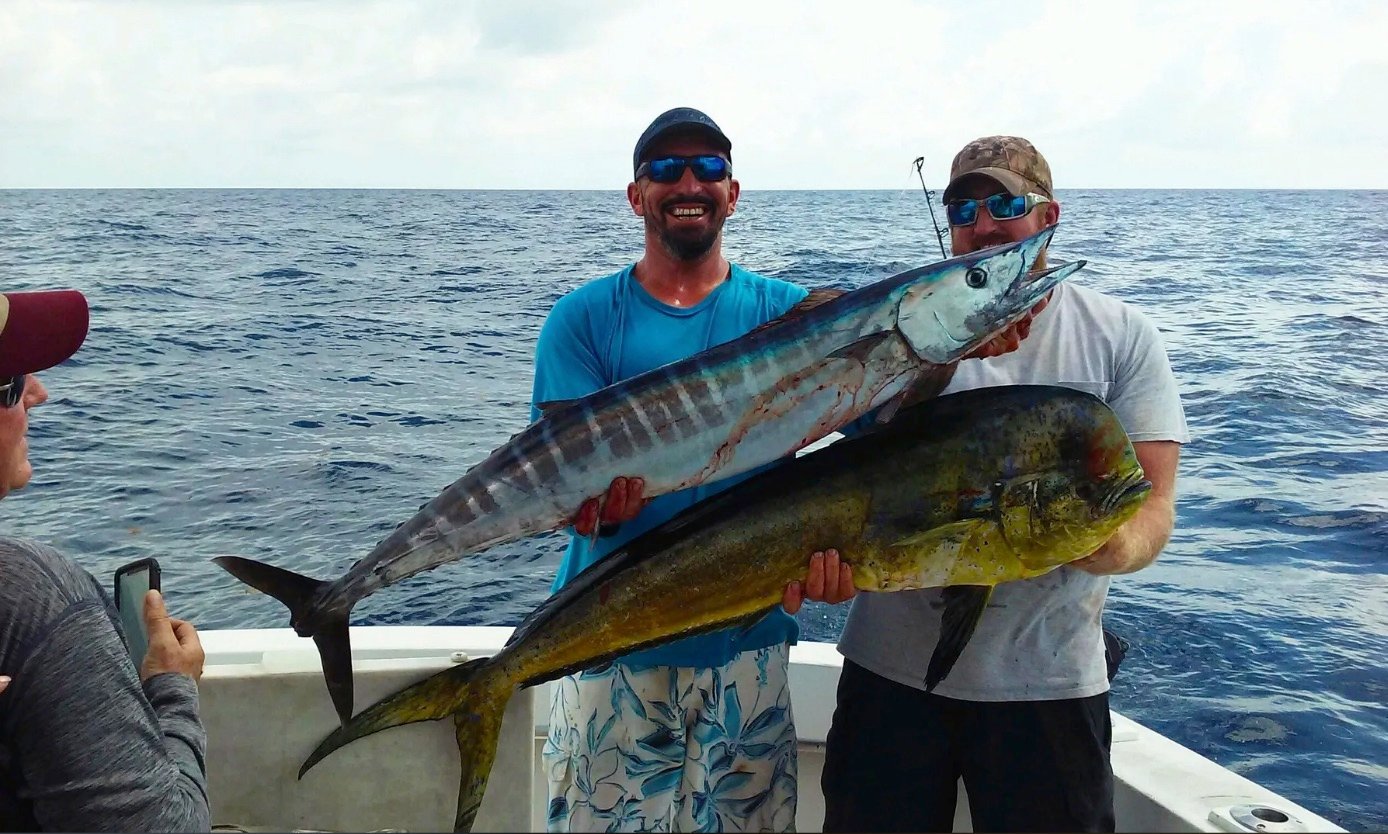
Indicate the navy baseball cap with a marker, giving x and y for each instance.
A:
(680, 118)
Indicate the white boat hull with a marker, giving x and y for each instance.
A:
(265, 708)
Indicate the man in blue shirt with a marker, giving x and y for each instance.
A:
(695, 734)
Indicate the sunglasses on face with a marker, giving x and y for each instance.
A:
(668, 169)
(1000, 207)
(11, 391)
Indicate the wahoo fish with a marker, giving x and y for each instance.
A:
(830, 360)
(963, 492)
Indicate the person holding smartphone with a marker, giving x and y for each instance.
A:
(91, 738)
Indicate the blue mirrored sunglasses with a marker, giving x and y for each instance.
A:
(1000, 207)
(668, 169)
(11, 391)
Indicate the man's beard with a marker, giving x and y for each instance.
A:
(685, 247)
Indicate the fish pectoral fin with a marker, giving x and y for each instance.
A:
(816, 297)
(926, 387)
(597, 522)
(860, 350)
(545, 408)
(949, 537)
(964, 606)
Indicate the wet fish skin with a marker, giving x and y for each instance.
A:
(966, 492)
(728, 410)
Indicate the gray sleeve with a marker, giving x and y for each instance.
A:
(98, 752)
(1145, 396)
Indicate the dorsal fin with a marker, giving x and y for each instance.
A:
(817, 296)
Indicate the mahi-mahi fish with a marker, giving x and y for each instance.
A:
(725, 411)
(963, 492)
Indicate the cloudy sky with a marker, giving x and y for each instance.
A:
(529, 94)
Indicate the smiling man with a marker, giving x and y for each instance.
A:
(695, 734)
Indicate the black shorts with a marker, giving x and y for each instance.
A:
(894, 756)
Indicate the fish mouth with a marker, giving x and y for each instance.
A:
(1066, 269)
(1026, 292)
(1132, 489)
(1035, 284)
(1028, 288)
(986, 292)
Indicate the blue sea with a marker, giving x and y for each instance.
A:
(287, 375)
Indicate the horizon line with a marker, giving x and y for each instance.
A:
(616, 188)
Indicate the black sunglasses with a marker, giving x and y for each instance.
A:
(668, 169)
(11, 391)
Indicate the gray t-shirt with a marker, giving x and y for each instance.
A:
(1039, 639)
(83, 746)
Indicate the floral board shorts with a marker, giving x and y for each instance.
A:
(674, 748)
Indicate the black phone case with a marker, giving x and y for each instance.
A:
(153, 565)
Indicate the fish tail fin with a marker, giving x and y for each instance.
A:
(334, 642)
(293, 589)
(329, 632)
(475, 694)
(964, 606)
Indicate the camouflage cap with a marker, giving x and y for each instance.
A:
(1012, 161)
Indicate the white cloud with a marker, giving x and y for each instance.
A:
(815, 94)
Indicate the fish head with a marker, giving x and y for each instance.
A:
(950, 308)
(1056, 517)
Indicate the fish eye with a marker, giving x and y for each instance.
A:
(976, 277)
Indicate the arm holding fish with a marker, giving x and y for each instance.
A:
(567, 367)
(1147, 401)
(1136, 544)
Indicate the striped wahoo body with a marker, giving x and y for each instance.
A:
(722, 412)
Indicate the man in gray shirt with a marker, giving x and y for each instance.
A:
(1023, 716)
(87, 741)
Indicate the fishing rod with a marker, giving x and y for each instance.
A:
(930, 204)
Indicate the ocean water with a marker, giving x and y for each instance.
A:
(287, 375)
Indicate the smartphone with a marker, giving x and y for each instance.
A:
(133, 581)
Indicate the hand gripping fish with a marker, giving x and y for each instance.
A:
(962, 492)
(722, 412)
